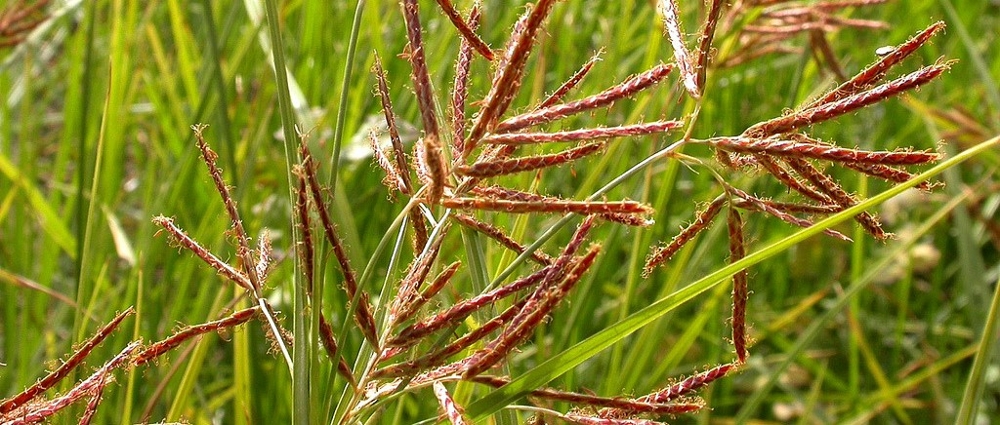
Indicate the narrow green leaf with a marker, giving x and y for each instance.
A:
(48, 217)
(984, 354)
(567, 360)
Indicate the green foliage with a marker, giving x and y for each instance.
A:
(95, 141)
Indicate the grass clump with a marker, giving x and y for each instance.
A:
(458, 289)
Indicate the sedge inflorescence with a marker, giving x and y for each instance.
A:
(450, 181)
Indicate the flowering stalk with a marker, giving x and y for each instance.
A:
(629, 87)
(750, 202)
(407, 311)
(705, 41)
(466, 30)
(418, 66)
(508, 78)
(362, 315)
(528, 163)
(549, 292)
(18, 18)
(396, 166)
(65, 367)
(875, 72)
(737, 250)
(498, 235)
(461, 88)
(157, 349)
(701, 222)
(571, 83)
(87, 388)
(576, 207)
(826, 111)
(788, 148)
(417, 344)
(668, 9)
(584, 134)
(441, 356)
(463, 309)
(838, 194)
(453, 411)
(243, 250)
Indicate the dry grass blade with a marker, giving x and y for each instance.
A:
(824, 53)
(841, 4)
(29, 284)
(831, 22)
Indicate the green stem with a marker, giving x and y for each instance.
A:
(303, 349)
(338, 131)
(977, 378)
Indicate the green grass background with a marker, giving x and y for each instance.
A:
(95, 140)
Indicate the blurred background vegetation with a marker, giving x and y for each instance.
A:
(95, 141)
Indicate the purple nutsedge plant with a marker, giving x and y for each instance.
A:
(425, 332)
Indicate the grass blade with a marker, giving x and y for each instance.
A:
(977, 378)
(567, 360)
